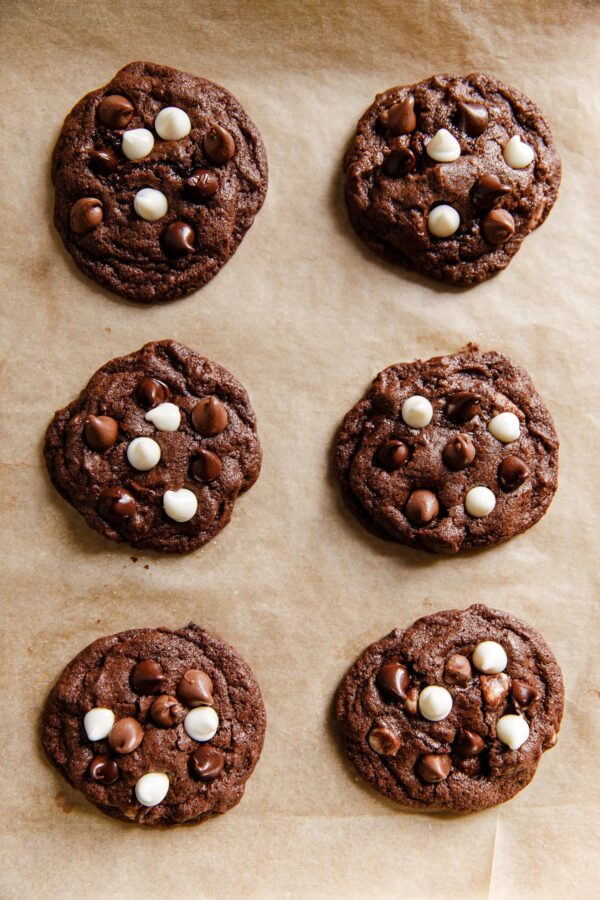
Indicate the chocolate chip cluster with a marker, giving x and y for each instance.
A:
(114, 113)
(505, 706)
(405, 154)
(114, 738)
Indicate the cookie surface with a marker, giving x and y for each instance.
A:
(201, 183)
(449, 453)
(180, 706)
(453, 713)
(156, 448)
(443, 143)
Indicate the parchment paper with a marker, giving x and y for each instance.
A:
(305, 316)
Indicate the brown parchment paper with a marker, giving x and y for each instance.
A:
(305, 316)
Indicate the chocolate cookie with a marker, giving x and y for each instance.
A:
(156, 448)
(451, 453)
(158, 177)
(454, 712)
(448, 176)
(156, 726)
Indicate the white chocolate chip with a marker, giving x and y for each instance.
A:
(435, 703)
(417, 411)
(517, 154)
(172, 124)
(443, 221)
(512, 731)
(443, 146)
(165, 417)
(143, 453)
(150, 205)
(180, 505)
(505, 427)
(201, 723)
(480, 501)
(98, 723)
(490, 657)
(137, 143)
(151, 789)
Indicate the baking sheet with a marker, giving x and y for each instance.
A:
(305, 316)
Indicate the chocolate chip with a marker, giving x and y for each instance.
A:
(178, 239)
(209, 417)
(151, 391)
(383, 741)
(219, 145)
(115, 111)
(166, 711)
(201, 185)
(206, 466)
(434, 767)
(399, 162)
(523, 694)
(206, 762)
(463, 406)
(126, 735)
(400, 118)
(101, 432)
(393, 680)
(103, 161)
(116, 504)
(195, 688)
(103, 769)
(467, 744)
(391, 455)
(457, 670)
(472, 118)
(86, 214)
(494, 688)
(459, 452)
(512, 473)
(147, 677)
(488, 192)
(498, 226)
(422, 507)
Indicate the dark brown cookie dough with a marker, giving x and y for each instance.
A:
(392, 184)
(451, 748)
(413, 484)
(214, 180)
(145, 683)
(209, 454)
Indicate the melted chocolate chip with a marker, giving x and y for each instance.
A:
(101, 432)
(422, 507)
(498, 226)
(434, 767)
(457, 670)
(459, 452)
(103, 769)
(472, 118)
(115, 112)
(151, 391)
(383, 741)
(147, 677)
(488, 192)
(166, 711)
(201, 185)
(391, 455)
(126, 735)
(523, 694)
(86, 214)
(467, 744)
(178, 239)
(116, 504)
(195, 688)
(206, 763)
(206, 466)
(512, 473)
(209, 417)
(103, 161)
(400, 118)
(399, 163)
(393, 680)
(219, 145)
(463, 406)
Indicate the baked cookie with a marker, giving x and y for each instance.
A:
(451, 453)
(158, 176)
(156, 448)
(454, 712)
(448, 176)
(155, 726)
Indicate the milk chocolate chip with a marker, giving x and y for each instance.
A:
(400, 118)
(207, 762)
(151, 391)
(219, 145)
(512, 473)
(393, 680)
(166, 711)
(101, 432)
(126, 735)
(400, 162)
(103, 769)
(147, 677)
(115, 111)
(201, 185)
(434, 767)
(459, 452)
(488, 192)
(523, 694)
(209, 417)
(498, 226)
(86, 214)
(422, 507)
(206, 466)
(116, 504)
(467, 744)
(195, 689)
(383, 741)
(178, 239)
(103, 161)
(391, 455)
(463, 406)
(472, 118)
(457, 670)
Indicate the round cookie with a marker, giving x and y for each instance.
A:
(158, 176)
(453, 713)
(156, 448)
(450, 453)
(155, 726)
(448, 176)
